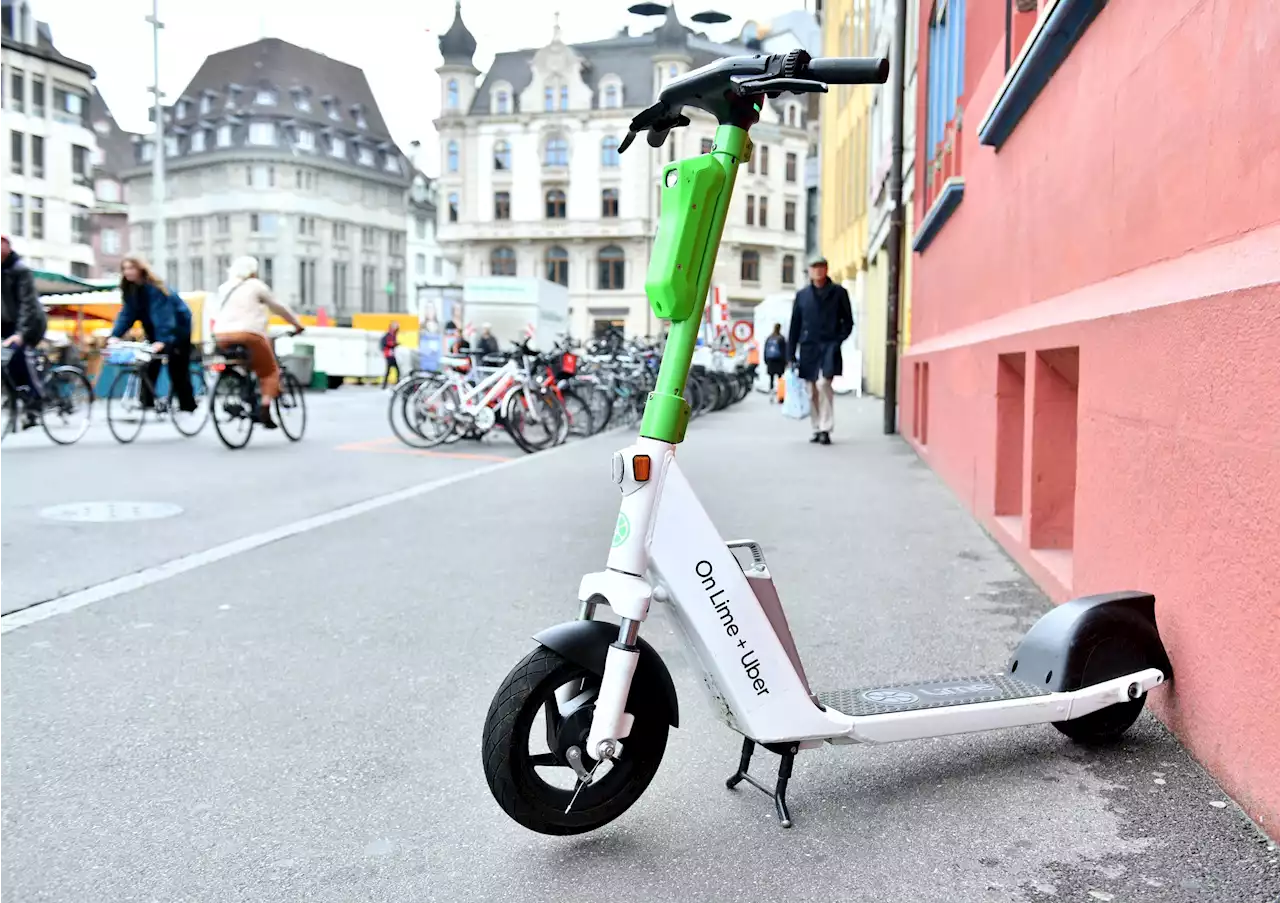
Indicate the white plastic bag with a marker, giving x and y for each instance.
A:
(796, 402)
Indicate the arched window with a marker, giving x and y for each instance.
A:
(453, 207)
(613, 265)
(557, 151)
(564, 97)
(673, 71)
(452, 89)
(788, 269)
(451, 156)
(502, 156)
(502, 262)
(503, 102)
(549, 99)
(609, 203)
(609, 152)
(555, 204)
(558, 265)
(750, 266)
(611, 99)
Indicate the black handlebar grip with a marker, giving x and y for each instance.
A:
(849, 70)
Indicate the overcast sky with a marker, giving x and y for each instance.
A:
(393, 41)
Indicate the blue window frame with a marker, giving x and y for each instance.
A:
(946, 68)
(452, 156)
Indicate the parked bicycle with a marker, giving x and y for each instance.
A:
(63, 407)
(133, 385)
(237, 397)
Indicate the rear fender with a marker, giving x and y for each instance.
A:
(585, 643)
(1092, 639)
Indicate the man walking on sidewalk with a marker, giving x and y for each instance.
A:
(821, 320)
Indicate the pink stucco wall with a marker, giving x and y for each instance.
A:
(1123, 249)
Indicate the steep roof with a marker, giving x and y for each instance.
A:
(277, 64)
(116, 144)
(43, 48)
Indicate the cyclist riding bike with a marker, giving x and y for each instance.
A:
(246, 306)
(24, 323)
(165, 319)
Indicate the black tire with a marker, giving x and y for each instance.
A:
(190, 424)
(291, 407)
(601, 406)
(1110, 657)
(119, 398)
(509, 767)
(66, 391)
(398, 413)
(578, 415)
(335, 382)
(516, 422)
(229, 410)
(11, 413)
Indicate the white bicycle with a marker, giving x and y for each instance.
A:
(578, 728)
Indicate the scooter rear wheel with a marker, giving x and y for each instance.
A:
(1108, 658)
(535, 788)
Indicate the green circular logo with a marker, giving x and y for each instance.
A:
(621, 530)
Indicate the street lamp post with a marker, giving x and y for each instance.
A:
(157, 155)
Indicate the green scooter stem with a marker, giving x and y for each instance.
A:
(695, 207)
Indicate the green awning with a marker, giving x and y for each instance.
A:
(48, 283)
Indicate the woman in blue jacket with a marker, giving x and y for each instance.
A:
(165, 319)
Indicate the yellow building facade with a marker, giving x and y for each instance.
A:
(842, 223)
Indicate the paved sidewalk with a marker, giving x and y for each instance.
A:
(302, 721)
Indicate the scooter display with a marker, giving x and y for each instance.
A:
(577, 730)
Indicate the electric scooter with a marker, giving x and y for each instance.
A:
(599, 699)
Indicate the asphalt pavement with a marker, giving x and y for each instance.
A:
(277, 694)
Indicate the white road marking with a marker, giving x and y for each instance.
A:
(61, 605)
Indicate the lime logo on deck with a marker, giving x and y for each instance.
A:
(621, 530)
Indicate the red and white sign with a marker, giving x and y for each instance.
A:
(743, 330)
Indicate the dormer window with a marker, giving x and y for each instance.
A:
(171, 145)
(148, 151)
(262, 133)
(265, 97)
(301, 101)
(183, 108)
(612, 99)
(392, 163)
(365, 156)
(305, 140)
(224, 136)
(233, 96)
(337, 148)
(361, 122)
(197, 140)
(206, 104)
(332, 110)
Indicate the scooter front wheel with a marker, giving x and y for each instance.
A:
(527, 738)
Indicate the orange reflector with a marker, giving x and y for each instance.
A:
(640, 467)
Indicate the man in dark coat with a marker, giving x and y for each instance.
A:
(24, 321)
(820, 321)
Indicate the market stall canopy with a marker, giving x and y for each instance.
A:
(48, 283)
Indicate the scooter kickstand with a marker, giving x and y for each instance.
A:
(779, 792)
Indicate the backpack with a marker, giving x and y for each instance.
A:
(773, 348)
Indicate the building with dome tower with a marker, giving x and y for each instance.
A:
(532, 183)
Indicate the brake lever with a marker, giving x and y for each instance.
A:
(775, 86)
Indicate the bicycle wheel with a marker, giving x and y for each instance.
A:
(532, 417)
(578, 414)
(125, 413)
(68, 405)
(398, 410)
(11, 412)
(190, 423)
(601, 403)
(291, 407)
(431, 413)
(232, 416)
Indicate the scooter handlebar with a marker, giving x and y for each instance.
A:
(849, 70)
